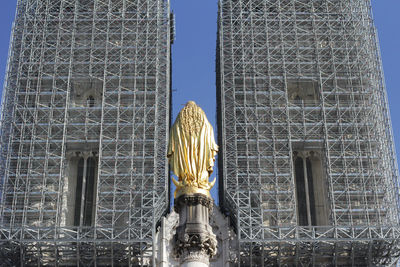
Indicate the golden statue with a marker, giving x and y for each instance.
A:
(191, 151)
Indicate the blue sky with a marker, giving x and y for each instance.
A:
(193, 53)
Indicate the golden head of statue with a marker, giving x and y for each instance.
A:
(191, 151)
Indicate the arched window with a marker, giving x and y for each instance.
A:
(89, 192)
(78, 191)
(310, 191)
(85, 191)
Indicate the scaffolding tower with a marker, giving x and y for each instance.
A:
(307, 168)
(84, 130)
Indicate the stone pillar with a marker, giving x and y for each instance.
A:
(195, 243)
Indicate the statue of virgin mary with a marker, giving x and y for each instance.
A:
(191, 151)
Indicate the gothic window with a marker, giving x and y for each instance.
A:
(85, 191)
(78, 191)
(310, 190)
(89, 192)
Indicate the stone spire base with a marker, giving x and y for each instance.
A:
(195, 242)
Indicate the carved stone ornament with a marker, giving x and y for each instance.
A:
(193, 200)
(195, 247)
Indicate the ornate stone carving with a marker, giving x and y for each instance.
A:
(195, 247)
(193, 200)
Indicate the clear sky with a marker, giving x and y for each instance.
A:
(193, 53)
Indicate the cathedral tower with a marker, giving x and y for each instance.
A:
(86, 112)
(307, 165)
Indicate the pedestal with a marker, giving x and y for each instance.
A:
(195, 243)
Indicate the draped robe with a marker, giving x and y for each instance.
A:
(192, 148)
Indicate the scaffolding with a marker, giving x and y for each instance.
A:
(304, 77)
(86, 79)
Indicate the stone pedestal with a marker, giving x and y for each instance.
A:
(195, 242)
